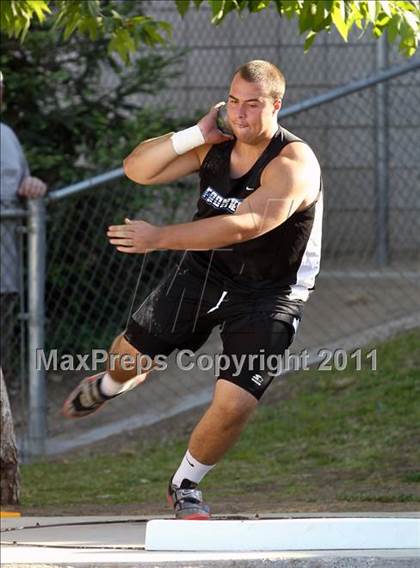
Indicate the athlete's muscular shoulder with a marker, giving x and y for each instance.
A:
(297, 168)
(298, 158)
(289, 183)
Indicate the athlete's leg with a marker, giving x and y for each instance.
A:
(236, 396)
(222, 423)
(151, 332)
(216, 432)
(125, 362)
(126, 368)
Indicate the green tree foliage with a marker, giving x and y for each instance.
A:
(127, 30)
(74, 105)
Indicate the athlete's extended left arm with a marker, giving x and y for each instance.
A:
(284, 185)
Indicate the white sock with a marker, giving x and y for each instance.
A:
(190, 469)
(108, 386)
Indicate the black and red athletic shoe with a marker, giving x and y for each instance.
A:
(88, 398)
(85, 399)
(187, 501)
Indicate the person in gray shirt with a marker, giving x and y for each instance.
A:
(16, 184)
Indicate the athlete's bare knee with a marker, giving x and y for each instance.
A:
(232, 402)
(126, 362)
(121, 346)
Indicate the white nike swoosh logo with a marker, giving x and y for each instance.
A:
(249, 188)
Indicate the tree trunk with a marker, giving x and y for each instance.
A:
(10, 477)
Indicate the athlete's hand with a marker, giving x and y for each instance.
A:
(208, 127)
(134, 237)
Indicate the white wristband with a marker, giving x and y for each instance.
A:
(187, 139)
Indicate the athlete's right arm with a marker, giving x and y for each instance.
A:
(155, 161)
(163, 159)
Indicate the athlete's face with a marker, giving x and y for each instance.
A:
(252, 112)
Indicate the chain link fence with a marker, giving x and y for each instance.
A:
(367, 143)
(90, 286)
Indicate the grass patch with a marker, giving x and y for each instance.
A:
(343, 435)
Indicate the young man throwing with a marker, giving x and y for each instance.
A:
(252, 253)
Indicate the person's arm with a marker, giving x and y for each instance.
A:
(155, 161)
(286, 183)
(174, 155)
(29, 187)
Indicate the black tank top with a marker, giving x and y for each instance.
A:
(287, 257)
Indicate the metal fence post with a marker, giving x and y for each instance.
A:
(382, 157)
(37, 419)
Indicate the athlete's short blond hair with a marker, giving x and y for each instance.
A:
(260, 71)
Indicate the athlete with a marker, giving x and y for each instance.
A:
(249, 261)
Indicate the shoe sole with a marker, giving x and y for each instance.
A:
(67, 408)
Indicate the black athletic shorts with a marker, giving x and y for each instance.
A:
(182, 311)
